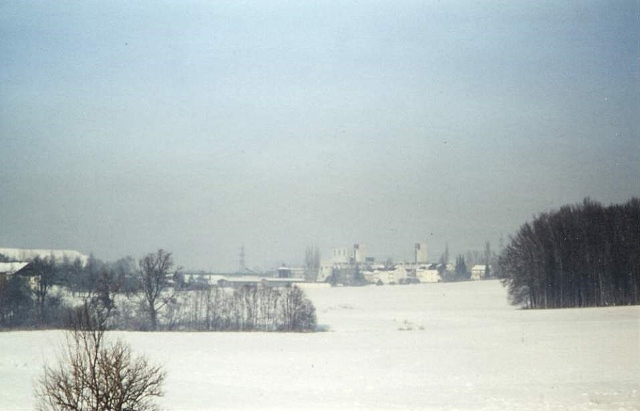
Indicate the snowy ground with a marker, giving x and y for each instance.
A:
(429, 346)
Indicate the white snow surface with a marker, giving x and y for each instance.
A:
(455, 346)
(24, 254)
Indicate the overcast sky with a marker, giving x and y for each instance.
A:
(200, 126)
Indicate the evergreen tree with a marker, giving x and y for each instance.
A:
(461, 271)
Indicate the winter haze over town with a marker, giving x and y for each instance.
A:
(323, 205)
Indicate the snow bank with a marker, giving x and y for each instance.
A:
(428, 347)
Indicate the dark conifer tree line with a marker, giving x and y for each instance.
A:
(581, 255)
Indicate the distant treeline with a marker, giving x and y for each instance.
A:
(148, 294)
(248, 308)
(578, 256)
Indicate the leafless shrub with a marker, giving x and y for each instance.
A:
(93, 374)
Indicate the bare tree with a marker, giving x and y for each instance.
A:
(580, 255)
(155, 279)
(95, 375)
(15, 300)
(296, 311)
(44, 269)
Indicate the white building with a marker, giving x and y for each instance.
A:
(359, 253)
(345, 256)
(478, 271)
(290, 272)
(421, 253)
(428, 274)
(386, 276)
(326, 269)
(341, 255)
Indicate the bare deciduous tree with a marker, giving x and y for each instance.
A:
(95, 375)
(155, 279)
(578, 256)
(44, 269)
(296, 311)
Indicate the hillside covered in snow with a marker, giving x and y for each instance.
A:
(447, 346)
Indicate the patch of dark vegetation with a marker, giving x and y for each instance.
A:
(582, 255)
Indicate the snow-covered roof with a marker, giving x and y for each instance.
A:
(12, 268)
(256, 281)
(209, 277)
(284, 280)
(479, 267)
(243, 279)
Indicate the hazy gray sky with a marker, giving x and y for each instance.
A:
(199, 126)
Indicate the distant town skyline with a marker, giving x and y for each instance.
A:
(199, 127)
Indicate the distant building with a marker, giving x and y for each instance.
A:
(359, 254)
(325, 271)
(421, 253)
(342, 257)
(347, 262)
(9, 269)
(478, 271)
(23, 268)
(384, 275)
(248, 281)
(239, 282)
(428, 274)
(284, 272)
(290, 272)
(346, 265)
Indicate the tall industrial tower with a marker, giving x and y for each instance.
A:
(421, 253)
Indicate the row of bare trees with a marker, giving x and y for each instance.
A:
(94, 373)
(581, 255)
(150, 296)
(249, 308)
(43, 294)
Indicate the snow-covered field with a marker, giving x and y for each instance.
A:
(429, 346)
